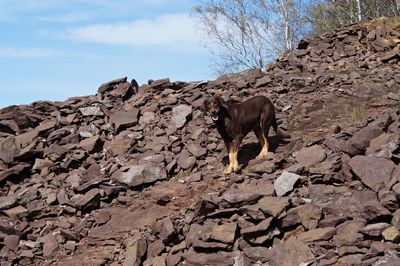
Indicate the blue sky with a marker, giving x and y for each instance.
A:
(55, 49)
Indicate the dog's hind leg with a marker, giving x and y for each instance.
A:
(263, 141)
(262, 133)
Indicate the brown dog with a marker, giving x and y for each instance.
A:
(235, 121)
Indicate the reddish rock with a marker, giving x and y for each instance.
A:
(310, 155)
(373, 172)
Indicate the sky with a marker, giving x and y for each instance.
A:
(55, 49)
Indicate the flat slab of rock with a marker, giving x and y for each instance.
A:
(91, 111)
(285, 183)
(317, 234)
(373, 172)
(124, 118)
(140, 174)
(310, 155)
(224, 233)
(290, 252)
(180, 115)
(273, 206)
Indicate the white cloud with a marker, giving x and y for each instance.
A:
(27, 53)
(175, 30)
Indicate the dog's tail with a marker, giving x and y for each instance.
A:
(277, 130)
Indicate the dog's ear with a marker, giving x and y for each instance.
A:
(221, 101)
(204, 106)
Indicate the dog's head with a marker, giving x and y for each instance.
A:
(215, 107)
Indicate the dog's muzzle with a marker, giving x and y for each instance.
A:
(214, 116)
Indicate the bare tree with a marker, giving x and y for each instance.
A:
(249, 33)
(327, 15)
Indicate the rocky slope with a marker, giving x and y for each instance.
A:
(134, 176)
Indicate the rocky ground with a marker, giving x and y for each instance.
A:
(133, 176)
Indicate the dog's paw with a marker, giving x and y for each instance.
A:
(228, 170)
(261, 157)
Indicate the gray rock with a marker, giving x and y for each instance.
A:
(8, 149)
(8, 201)
(285, 183)
(137, 175)
(91, 111)
(374, 229)
(180, 115)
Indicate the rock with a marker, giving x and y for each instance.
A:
(164, 229)
(388, 199)
(16, 212)
(89, 201)
(348, 233)
(265, 167)
(373, 172)
(260, 228)
(285, 183)
(196, 150)
(155, 248)
(90, 144)
(331, 220)
(50, 245)
(391, 234)
(239, 196)
(8, 150)
(310, 155)
(102, 217)
(383, 146)
(174, 259)
(389, 259)
(201, 259)
(361, 140)
(123, 90)
(180, 115)
(224, 233)
(273, 206)
(374, 229)
(8, 201)
(91, 111)
(310, 215)
(317, 234)
(14, 171)
(135, 251)
(147, 118)
(155, 261)
(185, 160)
(123, 119)
(200, 245)
(137, 175)
(290, 252)
(11, 242)
(62, 197)
(396, 219)
(393, 96)
(110, 84)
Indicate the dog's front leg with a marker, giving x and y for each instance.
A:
(233, 148)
